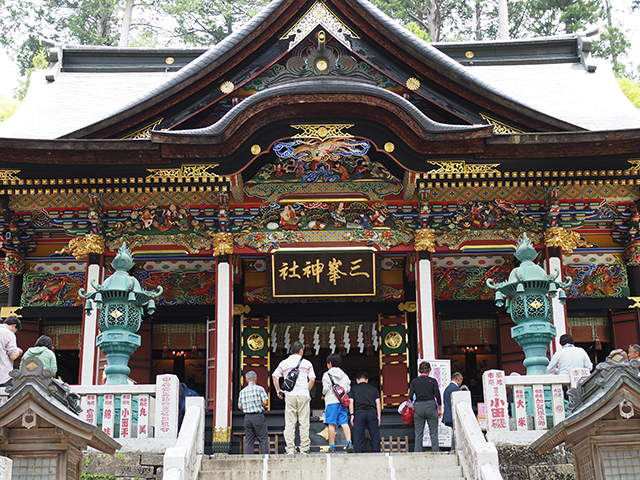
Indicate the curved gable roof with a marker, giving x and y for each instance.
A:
(211, 67)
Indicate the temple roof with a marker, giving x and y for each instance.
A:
(538, 85)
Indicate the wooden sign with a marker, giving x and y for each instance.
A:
(323, 273)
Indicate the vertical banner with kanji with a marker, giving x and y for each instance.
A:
(520, 407)
(496, 393)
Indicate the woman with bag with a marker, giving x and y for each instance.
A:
(335, 387)
(427, 406)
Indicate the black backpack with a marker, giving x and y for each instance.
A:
(289, 380)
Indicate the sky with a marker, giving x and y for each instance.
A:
(631, 23)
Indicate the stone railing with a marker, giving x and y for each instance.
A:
(130, 411)
(478, 458)
(182, 461)
(537, 397)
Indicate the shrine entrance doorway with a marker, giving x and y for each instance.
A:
(351, 330)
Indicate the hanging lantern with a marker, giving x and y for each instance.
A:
(194, 350)
(165, 351)
(487, 347)
(596, 338)
(342, 351)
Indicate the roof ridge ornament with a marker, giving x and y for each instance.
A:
(319, 14)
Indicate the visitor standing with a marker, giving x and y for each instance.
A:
(634, 352)
(297, 402)
(43, 350)
(252, 401)
(9, 350)
(365, 411)
(427, 406)
(334, 413)
(569, 357)
(447, 416)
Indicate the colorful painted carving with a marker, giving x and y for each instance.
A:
(180, 288)
(52, 290)
(313, 160)
(467, 283)
(597, 281)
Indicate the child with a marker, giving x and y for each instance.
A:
(334, 413)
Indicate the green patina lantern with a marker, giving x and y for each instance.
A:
(121, 301)
(527, 296)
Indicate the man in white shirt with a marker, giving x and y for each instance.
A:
(297, 402)
(9, 350)
(569, 357)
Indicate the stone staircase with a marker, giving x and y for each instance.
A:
(338, 466)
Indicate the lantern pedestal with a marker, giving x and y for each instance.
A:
(118, 346)
(534, 336)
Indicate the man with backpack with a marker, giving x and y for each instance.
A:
(298, 377)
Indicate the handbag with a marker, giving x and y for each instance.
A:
(407, 413)
(340, 392)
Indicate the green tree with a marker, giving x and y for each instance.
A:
(207, 22)
(8, 105)
(631, 90)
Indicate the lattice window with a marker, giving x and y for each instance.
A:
(621, 464)
(34, 468)
(585, 464)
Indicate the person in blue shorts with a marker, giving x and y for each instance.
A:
(334, 413)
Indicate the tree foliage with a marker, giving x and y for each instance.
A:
(631, 90)
(99, 22)
(8, 105)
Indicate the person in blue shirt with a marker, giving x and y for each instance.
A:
(447, 416)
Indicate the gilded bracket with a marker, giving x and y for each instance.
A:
(425, 239)
(80, 247)
(222, 243)
(568, 240)
(408, 307)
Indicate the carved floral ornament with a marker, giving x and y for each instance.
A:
(80, 247)
(568, 240)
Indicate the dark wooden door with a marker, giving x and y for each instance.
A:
(626, 328)
(510, 352)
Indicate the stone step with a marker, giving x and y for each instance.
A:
(448, 473)
(364, 466)
(339, 460)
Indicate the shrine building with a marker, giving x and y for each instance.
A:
(320, 175)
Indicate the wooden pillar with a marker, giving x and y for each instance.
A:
(91, 247)
(426, 318)
(220, 348)
(554, 262)
(220, 377)
(88, 350)
(15, 291)
(632, 254)
(14, 266)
